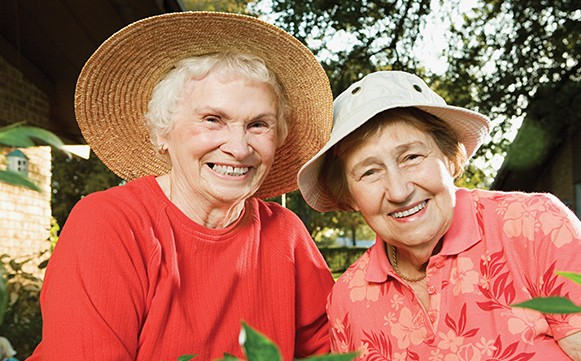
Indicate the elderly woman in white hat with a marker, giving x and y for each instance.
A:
(448, 262)
(205, 114)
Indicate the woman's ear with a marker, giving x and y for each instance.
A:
(162, 140)
(452, 168)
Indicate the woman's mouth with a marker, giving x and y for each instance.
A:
(410, 211)
(228, 170)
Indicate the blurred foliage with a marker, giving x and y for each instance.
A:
(383, 33)
(229, 6)
(350, 225)
(22, 323)
(74, 178)
(518, 57)
(340, 258)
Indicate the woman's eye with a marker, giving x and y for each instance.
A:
(413, 158)
(371, 175)
(211, 119)
(258, 125)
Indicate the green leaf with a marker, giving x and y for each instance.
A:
(229, 356)
(258, 347)
(22, 136)
(570, 275)
(333, 357)
(186, 357)
(560, 305)
(17, 179)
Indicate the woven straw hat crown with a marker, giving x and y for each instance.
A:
(373, 94)
(116, 84)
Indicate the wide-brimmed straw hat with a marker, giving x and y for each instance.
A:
(373, 94)
(115, 87)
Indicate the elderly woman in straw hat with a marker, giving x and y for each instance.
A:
(172, 262)
(448, 262)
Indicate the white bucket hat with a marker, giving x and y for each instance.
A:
(374, 94)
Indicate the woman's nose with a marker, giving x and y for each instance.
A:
(398, 186)
(237, 144)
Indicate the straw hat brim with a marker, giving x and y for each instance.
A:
(115, 87)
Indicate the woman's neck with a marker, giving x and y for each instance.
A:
(414, 260)
(199, 209)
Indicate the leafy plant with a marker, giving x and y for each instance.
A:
(554, 304)
(22, 323)
(258, 347)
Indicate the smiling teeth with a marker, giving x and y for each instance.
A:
(409, 212)
(229, 170)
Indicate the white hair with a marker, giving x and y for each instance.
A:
(168, 93)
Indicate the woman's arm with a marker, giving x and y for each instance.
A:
(93, 295)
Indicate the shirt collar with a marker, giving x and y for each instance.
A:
(463, 234)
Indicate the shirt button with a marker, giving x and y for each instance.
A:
(433, 318)
(431, 290)
(439, 264)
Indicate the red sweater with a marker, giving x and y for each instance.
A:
(132, 278)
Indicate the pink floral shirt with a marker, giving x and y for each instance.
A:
(501, 249)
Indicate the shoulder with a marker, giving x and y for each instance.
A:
(273, 215)
(509, 204)
(271, 211)
(481, 195)
(134, 196)
(119, 213)
(283, 229)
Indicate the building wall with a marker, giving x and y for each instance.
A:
(25, 215)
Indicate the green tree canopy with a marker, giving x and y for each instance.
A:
(382, 34)
(515, 53)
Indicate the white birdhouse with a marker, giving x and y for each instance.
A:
(17, 161)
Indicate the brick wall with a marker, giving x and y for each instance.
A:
(24, 214)
(20, 100)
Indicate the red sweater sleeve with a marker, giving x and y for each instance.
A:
(95, 288)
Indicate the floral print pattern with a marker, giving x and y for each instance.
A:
(506, 251)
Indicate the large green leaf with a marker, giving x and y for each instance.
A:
(560, 305)
(17, 179)
(258, 347)
(22, 136)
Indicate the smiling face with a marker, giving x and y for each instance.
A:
(223, 140)
(403, 185)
